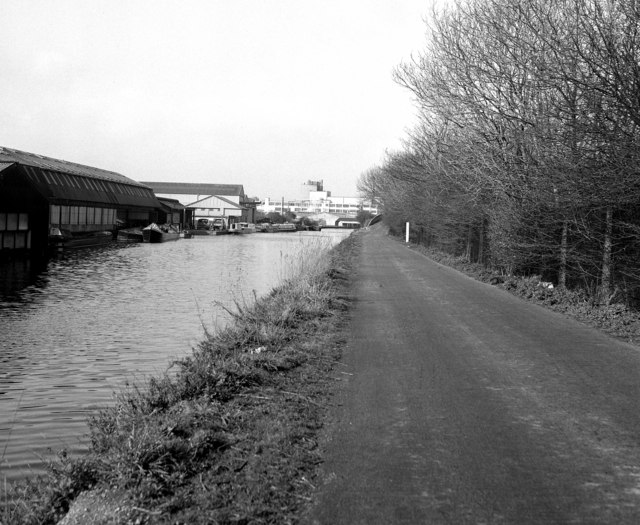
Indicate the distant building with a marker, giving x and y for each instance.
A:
(317, 201)
(40, 194)
(308, 187)
(206, 201)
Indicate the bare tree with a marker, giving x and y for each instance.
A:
(529, 124)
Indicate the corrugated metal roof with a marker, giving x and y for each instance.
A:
(62, 166)
(63, 181)
(5, 165)
(64, 187)
(171, 203)
(196, 188)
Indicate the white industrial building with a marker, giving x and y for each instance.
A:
(318, 201)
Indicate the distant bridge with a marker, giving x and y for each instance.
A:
(374, 220)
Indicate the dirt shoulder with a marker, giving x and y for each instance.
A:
(615, 319)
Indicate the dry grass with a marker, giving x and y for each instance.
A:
(230, 435)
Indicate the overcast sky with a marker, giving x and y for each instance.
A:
(264, 93)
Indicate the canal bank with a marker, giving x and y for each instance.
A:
(230, 435)
(80, 327)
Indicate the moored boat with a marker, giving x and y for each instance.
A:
(196, 232)
(265, 227)
(286, 227)
(242, 227)
(155, 233)
(130, 235)
(63, 239)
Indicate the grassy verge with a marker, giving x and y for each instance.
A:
(616, 319)
(228, 435)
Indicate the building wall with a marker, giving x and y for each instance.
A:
(308, 187)
(15, 233)
(341, 206)
(189, 199)
(199, 213)
(29, 208)
(23, 214)
(216, 207)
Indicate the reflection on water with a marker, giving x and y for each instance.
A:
(16, 274)
(78, 329)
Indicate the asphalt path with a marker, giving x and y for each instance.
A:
(461, 403)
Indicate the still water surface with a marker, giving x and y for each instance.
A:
(75, 330)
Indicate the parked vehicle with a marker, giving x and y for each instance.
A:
(204, 224)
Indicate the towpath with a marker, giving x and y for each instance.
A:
(467, 405)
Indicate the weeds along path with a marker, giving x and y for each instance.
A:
(229, 436)
(465, 404)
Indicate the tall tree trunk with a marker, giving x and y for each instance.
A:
(562, 271)
(481, 242)
(605, 278)
(469, 243)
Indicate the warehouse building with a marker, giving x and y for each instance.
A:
(227, 202)
(41, 196)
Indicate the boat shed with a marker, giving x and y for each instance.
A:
(204, 200)
(172, 212)
(216, 207)
(39, 194)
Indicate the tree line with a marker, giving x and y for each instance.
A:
(526, 153)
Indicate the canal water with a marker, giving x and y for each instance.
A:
(75, 330)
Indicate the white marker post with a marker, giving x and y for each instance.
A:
(406, 235)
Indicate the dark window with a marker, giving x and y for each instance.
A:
(8, 240)
(20, 240)
(54, 214)
(12, 221)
